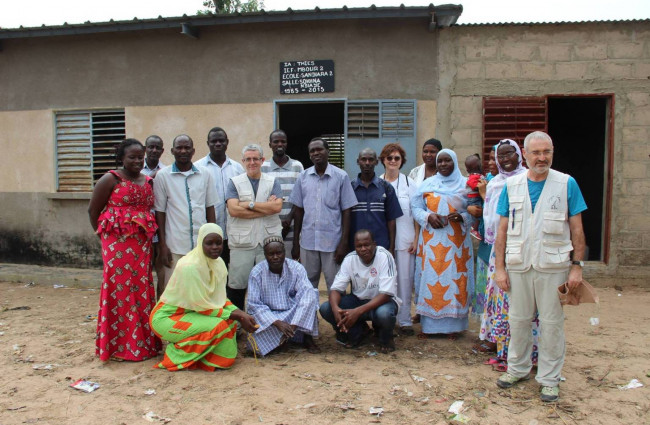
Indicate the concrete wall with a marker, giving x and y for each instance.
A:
(478, 61)
(228, 64)
(27, 142)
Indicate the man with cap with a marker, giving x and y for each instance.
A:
(282, 301)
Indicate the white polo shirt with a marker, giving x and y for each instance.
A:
(183, 197)
(379, 277)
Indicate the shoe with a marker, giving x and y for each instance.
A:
(508, 380)
(550, 394)
(406, 330)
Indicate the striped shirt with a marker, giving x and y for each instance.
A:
(221, 176)
(288, 297)
(286, 175)
(368, 280)
(378, 204)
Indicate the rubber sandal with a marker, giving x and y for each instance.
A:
(492, 361)
(484, 347)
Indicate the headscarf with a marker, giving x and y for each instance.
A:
(454, 185)
(493, 191)
(198, 282)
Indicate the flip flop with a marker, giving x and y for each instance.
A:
(491, 361)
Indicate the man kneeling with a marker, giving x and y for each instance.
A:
(282, 301)
(371, 272)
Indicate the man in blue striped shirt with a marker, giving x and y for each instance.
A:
(378, 205)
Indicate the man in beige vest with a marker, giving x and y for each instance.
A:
(254, 201)
(541, 223)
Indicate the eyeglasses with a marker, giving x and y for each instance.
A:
(252, 159)
(393, 158)
(506, 155)
(540, 153)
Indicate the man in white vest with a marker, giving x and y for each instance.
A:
(254, 201)
(541, 224)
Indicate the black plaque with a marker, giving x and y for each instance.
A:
(297, 77)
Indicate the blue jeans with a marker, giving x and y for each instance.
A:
(383, 318)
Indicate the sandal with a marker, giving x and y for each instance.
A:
(453, 336)
(423, 336)
(485, 347)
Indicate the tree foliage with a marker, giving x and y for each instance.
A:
(221, 7)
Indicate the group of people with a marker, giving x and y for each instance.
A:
(243, 245)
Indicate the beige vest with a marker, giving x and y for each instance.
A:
(247, 233)
(541, 239)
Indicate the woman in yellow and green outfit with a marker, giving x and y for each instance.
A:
(193, 313)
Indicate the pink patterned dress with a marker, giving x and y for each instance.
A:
(126, 227)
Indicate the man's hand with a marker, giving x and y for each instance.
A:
(338, 315)
(295, 250)
(272, 198)
(501, 277)
(247, 321)
(348, 318)
(286, 226)
(166, 255)
(341, 251)
(286, 329)
(575, 277)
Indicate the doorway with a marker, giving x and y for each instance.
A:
(302, 121)
(580, 129)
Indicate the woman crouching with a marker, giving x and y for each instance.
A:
(193, 313)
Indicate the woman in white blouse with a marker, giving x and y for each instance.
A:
(393, 158)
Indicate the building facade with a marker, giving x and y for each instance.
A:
(399, 74)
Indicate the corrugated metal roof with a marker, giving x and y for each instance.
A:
(448, 12)
(496, 24)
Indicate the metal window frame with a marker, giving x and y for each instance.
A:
(89, 112)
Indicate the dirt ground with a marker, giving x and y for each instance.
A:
(416, 384)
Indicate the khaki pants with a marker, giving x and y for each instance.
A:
(529, 292)
(242, 262)
(317, 261)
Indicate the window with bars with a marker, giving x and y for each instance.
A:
(511, 118)
(336, 148)
(85, 147)
(374, 123)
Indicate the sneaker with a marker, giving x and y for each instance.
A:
(507, 380)
(550, 394)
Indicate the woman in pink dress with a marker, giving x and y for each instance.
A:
(120, 213)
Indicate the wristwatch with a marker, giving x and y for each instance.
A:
(251, 205)
(578, 263)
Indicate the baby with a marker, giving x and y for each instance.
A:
(475, 175)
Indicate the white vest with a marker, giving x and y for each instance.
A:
(541, 239)
(247, 233)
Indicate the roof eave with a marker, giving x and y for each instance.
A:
(438, 16)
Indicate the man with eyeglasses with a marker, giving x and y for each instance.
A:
(254, 201)
(541, 223)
